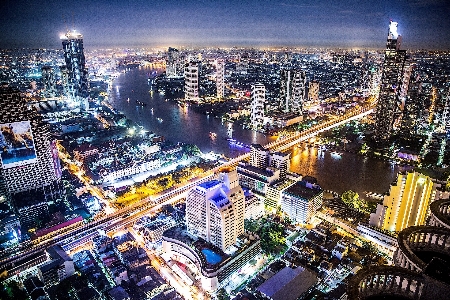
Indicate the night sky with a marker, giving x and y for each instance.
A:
(126, 23)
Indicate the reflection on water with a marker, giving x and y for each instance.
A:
(334, 171)
(343, 171)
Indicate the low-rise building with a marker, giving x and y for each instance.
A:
(58, 268)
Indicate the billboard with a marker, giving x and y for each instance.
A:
(16, 144)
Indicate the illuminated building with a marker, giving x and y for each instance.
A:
(259, 157)
(412, 116)
(445, 120)
(58, 268)
(280, 161)
(257, 109)
(191, 81)
(215, 210)
(49, 81)
(220, 83)
(301, 200)
(29, 159)
(313, 91)
(292, 90)
(406, 204)
(388, 107)
(173, 63)
(72, 43)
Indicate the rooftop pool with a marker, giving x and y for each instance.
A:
(211, 256)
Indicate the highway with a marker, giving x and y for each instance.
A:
(85, 232)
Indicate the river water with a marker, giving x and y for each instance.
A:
(181, 124)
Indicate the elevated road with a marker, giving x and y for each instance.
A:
(16, 261)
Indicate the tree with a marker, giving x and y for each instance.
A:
(272, 237)
(351, 198)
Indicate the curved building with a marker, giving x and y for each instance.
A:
(440, 213)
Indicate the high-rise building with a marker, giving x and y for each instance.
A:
(257, 110)
(259, 157)
(445, 120)
(49, 81)
(173, 63)
(414, 106)
(313, 91)
(215, 210)
(301, 200)
(388, 107)
(72, 43)
(292, 90)
(220, 83)
(191, 83)
(28, 159)
(280, 161)
(406, 204)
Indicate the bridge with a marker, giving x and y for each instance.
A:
(15, 260)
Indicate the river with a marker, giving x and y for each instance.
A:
(181, 124)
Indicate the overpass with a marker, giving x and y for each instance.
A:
(72, 237)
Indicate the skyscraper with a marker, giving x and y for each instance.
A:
(49, 81)
(406, 204)
(292, 90)
(388, 107)
(72, 43)
(220, 83)
(257, 110)
(414, 106)
(191, 81)
(215, 210)
(173, 63)
(26, 152)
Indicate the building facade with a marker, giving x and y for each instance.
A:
(191, 83)
(292, 90)
(406, 204)
(215, 210)
(220, 78)
(78, 86)
(173, 63)
(301, 200)
(258, 96)
(388, 107)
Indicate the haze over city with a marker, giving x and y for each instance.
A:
(37, 24)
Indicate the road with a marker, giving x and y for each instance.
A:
(125, 215)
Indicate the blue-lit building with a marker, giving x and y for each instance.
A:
(78, 88)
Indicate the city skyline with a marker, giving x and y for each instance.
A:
(424, 24)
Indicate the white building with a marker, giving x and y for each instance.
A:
(191, 81)
(257, 110)
(301, 200)
(220, 82)
(215, 210)
(292, 90)
(313, 92)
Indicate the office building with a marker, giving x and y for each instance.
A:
(313, 91)
(220, 83)
(406, 204)
(191, 83)
(28, 157)
(259, 157)
(280, 161)
(78, 87)
(215, 210)
(292, 90)
(49, 81)
(388, 107)
(257, 108)
(59, 267)
(301, 200)
(173, 63)
(445, 120)
(414, 106)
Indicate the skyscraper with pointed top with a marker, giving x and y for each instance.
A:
(388, 107)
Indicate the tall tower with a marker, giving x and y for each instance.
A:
(257, 110)
(191, 81)
(292, 90)
(27, 156)
(412, 115)
(406, 204)
(220, 74)
(173, 63)
(391, 83)
(215, 210)
(72, 43)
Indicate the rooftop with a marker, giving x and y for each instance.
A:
(304, 190)
(288, 284)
